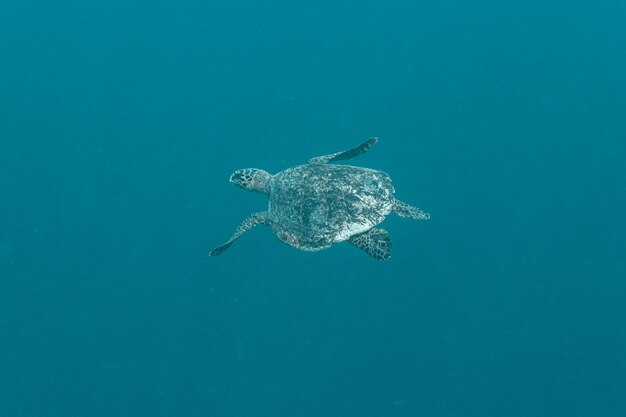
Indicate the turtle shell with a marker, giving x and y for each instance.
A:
(313, 206)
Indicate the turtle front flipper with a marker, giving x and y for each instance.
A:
(405, 210)
(350, 153)
(375, 242)
(247, 224)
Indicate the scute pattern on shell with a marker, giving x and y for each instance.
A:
(313, 206)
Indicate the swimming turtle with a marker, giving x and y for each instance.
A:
(314, 205)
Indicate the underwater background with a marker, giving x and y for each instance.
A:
(121, 121)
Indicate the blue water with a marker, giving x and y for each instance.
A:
(121, 121)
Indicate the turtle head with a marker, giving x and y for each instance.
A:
(252, 179)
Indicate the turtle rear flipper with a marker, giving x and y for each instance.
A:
(405, 210)
(375, 242)
(247, 224)
(340, 156)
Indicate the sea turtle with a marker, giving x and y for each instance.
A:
(314, 205)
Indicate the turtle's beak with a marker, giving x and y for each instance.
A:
(235, 176)
(241, 178)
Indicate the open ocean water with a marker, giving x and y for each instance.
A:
(121, 121)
